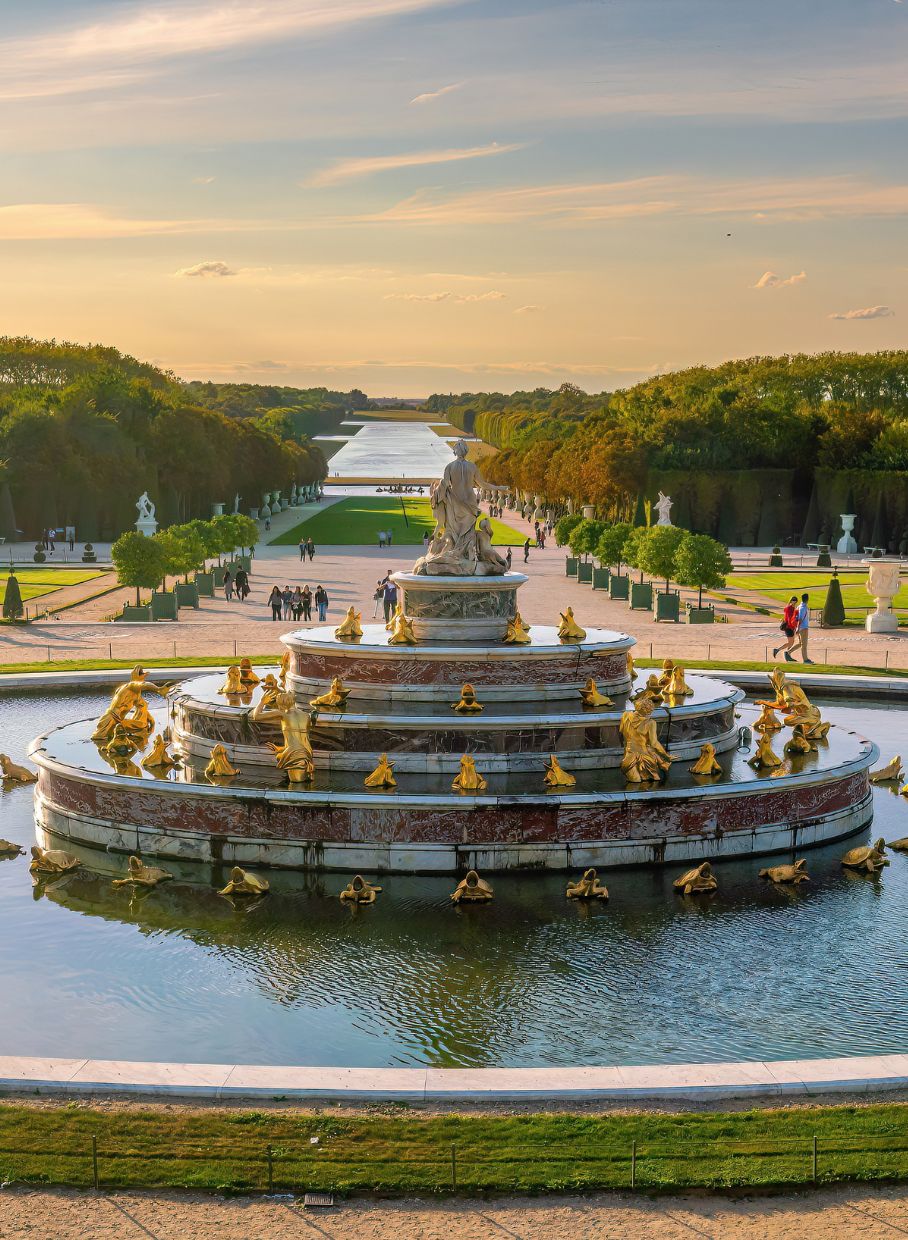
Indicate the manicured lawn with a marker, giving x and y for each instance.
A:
(357, 521)
(781, 586)
(33, 582)
(401, 1152)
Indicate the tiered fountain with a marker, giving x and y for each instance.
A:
(456, 739)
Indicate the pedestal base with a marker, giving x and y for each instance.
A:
(147, 526)
(459, 608)
(882, 622)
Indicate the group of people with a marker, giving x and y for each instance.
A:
(796, 627)
(297, 604)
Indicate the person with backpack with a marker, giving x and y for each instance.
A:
(241, 581)
(789, 627)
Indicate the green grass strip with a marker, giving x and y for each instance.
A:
(358, 520)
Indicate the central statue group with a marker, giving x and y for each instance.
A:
(459, 547)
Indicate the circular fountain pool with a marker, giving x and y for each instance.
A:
(753, 972)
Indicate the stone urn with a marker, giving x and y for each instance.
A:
(846, 544)
(883, 585)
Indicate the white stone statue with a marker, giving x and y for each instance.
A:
(455, 549)
(236, 502)
(664, 508)
(846, 543)
(145, 507)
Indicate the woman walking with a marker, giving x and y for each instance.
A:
(321, 602)
(296, 604)
(228, 586)
(275, 602)
(789, 627)
(307, 602)
(287, 600)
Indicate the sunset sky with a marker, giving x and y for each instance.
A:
(429, 195)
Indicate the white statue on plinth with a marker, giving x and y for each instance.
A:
(883, 585)
(846, 543)
(455, 549)
(664, 508)
(146, 523)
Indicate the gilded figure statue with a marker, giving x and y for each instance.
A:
(334, 699)
(869, 857)
(286, 661)
(248, 678)
(383, 775)
(779, 683)
(677, 686)
(652, 691)
(13, 773)
(645, 758)
(699, 879)
(9, 849)
(803, 714)
(469, 779)
(52, 861)
(294, 757)
(160, 758)
(472, 890)
(764, 759)
(128, 707)
(668, 667)
(397, 611)
(233, 685)
(402, 631)
(795, 874)
(468, 704)
(358, 891)
(243, 883)
(591, 698)
(569, 630)
(518, 633)
(707, 763)
(351, 626)
(556, 776)
(891, 771)
(768, 720)
(139, 875)
(219, 764)
(587, 888)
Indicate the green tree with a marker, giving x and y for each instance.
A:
(702, 563)
(611, 547)
(834, 607)
(139, 561)
(182, 548)
(12, 599)
(584, 536)
(632, 546)
(657, 550)
(564, 525)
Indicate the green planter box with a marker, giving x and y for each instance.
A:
(204, 583)
(601, 578)
(245, 561)
(136, 615)
(618, 586)
(668, 605)
(218, 575)
(163, 605)
(585, 573)
(641, 596)
(570, 566)
(775, 561)
(701, 615)
(187, 594)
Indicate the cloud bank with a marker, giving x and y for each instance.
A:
(769, 279)
(869, 312)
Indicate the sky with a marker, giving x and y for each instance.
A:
(410, 196)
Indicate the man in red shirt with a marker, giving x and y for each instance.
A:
(789, 627)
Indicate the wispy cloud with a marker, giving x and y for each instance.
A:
(869, 312)
(528, 309)
(436, 94)
(202, 180)
(457, 298)
(769, 279)
(212, 268)
(351, 169)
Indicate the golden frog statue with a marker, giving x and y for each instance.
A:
(631, 670)
(555, 776)
(243, 883)
(402, 631)
(52, 861)
(13, 773)
(358, 891)
(795, 874)
(569, 630)
(472, 890)
(518, 633)
(128, 707)
(677, 686)
(768, 720)
(294, 757)
(270, 687)
(351, 626)
(891, 771)
(706, 764)
(383, 775)
(799, 743)
(587, 888)
(591, 698)
(468, 704)
(652, 691)
(139, 875)
(396, 611)
(645, 758)
(334, 699)
(219, 764)
(870, 857)
(233, 685)
(160, 759)
(764, 759)
(469, 779)
(668, 667)
(699, 879)
(248, 678)
(286, 662)
(122, 744)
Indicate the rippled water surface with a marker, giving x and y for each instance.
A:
(756, 971)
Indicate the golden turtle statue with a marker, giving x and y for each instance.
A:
(382, 776)
(469, 779)
(764, 759)
(891, 771)
(9, 849)
(707, 763)
(899, 845)
(587, 888)
(472, 890)
(569, 630)
(243, 883)
(468, 704)
(591, 698)
(556, 776)
(796, 873)
(699, 879)
(869, 857)
(219, 764)
(13, 773)
(334, 699)
(358, 891)
(351, 626)
(52, 861)
(139, 875)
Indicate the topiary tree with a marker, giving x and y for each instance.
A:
(584, 536)
(635, 540)
(657, 549)
(564, 525)
(640, 521)
(834, 607)
(208, 534)
(139, 561)
(246, 531)
(182, 548)
(12, 599)
(702, 563)
(612, 544)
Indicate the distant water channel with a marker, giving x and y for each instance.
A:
(531, 979)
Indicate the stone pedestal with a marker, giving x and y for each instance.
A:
(883, 585)
(147, 526)
(217, 510)
(459, 608)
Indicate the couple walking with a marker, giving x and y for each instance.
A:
(796, 627)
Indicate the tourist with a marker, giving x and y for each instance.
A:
(287, 600)
(540, 540)
(241, 581)
(296, 605)
(228, 586)
(789, 627)
(526, 552)
(307, 602)
(275, 602)
(321, 603)
(389, 597)
(425, 540)
(302, 546)
(509, 557)
(804, 627)
(267, 523)
(310, 549)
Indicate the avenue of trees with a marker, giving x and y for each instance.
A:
(144, 563)
(85, 430)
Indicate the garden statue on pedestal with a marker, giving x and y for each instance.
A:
(456, 550)
(664, 508)
(146, 523)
